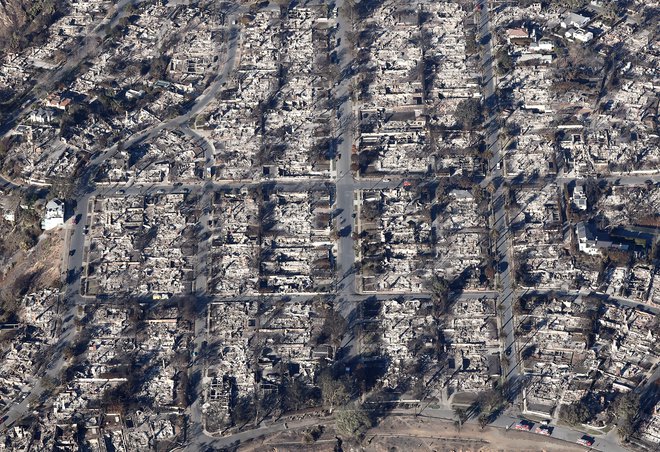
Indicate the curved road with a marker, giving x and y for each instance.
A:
(72, 295)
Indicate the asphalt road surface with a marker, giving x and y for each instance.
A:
(346, 189)
(345, 183)
(72, 293)
(502, 235)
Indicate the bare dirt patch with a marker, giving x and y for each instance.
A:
(32, 270)
(407, 433)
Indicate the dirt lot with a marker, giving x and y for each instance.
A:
(405, 434)
(33, 269)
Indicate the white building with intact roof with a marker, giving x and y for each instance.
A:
(54, 215)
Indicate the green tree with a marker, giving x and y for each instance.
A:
(244, 410)
(624, 430)
(333, 391)
(504, 61)
(626, 407)
(468, 113)
(295, 395)
(313, 434)
(62, 188)
(568, 3)
(491, 400)
(352, 421)
(158, 67)
(480, 195)
(334, 328)
(576, 413)
(439, 287)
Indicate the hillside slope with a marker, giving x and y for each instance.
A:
(22, 22)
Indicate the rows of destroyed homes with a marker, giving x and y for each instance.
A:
(573, 129)
(143, 71)
(272, 117)
(86, 408)
(577, 119)
(261, 241)
(569, 121)
(576, 350)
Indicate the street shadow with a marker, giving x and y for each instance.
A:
(193, 389)
(513, 387)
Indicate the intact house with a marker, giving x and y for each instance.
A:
(574, 20)
(580, 198)
(593, 243)
(54, 215)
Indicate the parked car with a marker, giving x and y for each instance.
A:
(543, 430)
(524, 425)
(586, 440)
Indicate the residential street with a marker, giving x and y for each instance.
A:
(500, 227)
(445, 342)
(72, 295)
